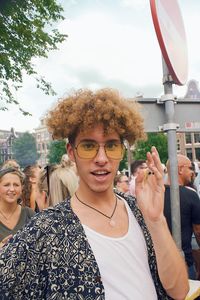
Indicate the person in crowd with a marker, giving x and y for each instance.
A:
(12, 215)
(165, 174)
(63, 181)
(66, 162)
(138, 167)
(190, 184)
(42, 190)
(97, 244)
(121, 183)
(31, 173)
(10, 163)
(189, 210)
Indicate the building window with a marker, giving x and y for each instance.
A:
(197, 137)
(197, 153)
(189, 153)
(46, 135)
(188, 138)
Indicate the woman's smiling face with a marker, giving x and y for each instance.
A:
(10, 188)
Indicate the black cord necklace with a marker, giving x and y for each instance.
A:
(112, 222)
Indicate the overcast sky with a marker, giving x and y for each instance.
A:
(111, 43)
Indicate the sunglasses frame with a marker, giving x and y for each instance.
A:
(123, 148)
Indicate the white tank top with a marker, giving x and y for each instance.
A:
(123, 263)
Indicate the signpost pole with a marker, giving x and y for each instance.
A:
(170, 31)
(170, 127)
(129, 159)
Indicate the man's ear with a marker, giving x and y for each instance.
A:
(180, 171)
(70, 152)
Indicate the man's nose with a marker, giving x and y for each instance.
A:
(101, 155)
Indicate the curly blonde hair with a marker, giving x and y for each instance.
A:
(84, 109)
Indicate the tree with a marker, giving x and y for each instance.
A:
(24, 150)
(159, 140)
(56, 151)
(25, 34)
(123, 163)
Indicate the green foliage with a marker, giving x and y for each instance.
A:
(123, 163)
(25, 33)
(159, 140)
(56, 151)
(24, 150)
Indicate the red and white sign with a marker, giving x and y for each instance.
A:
(192, 125)
(171, 36)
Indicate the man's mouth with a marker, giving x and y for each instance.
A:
(100, 173)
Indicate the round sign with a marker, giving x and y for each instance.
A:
(171, 36)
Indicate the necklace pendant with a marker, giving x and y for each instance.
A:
(112, 223)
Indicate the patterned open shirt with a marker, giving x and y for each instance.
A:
(52, 259)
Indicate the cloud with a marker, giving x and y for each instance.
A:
(109, 44)
(134, 4)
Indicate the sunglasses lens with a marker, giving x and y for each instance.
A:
(114, 150)
(87, 149)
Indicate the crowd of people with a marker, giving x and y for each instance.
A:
(189, 205)
(24, 192)
(87, 233)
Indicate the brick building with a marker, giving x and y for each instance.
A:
(189, 143)
(6, 143)
(43, 138)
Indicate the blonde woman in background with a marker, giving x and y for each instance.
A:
(13, 216)
(63, 181)
(66, 162)
(42, 190)
(9, 163)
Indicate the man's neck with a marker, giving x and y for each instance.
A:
(98, 198)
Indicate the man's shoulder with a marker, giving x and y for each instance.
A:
(50, 219)
(54, 213)
(189, 192)
(131, 200)
(127, 197)
(184, 190)
(46, 225)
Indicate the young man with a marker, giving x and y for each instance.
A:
(96, 245)
(189, 210)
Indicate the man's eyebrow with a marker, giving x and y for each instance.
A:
(114, 140)
(91, 140)
(87, 140)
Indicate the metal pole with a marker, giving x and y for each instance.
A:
(129, 159)
(170, 127)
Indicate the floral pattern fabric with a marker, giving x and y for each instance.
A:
(52, 259)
